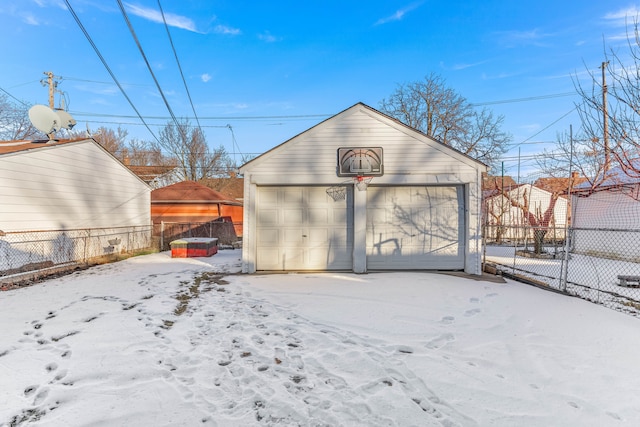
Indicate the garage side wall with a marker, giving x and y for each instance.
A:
(68, 187)
(410, 159)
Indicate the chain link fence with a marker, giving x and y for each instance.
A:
(599, 264)
(22, 252)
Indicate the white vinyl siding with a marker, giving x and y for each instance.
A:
(75, 185)
(415, 227)
(410, 159)
(302, 228)
(312, 157)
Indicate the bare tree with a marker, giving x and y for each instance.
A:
(582, 154)
(114, 142)
(147, 153)
(440, 112)
(612, 123)
(188, 146)
(539, 221)
(14, 121)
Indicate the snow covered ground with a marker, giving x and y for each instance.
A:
(156, 341)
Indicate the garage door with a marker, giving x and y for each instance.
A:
(302, 228)
(415, 228)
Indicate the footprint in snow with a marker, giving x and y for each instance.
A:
(447, 320)
(40, 397)
(472, 312)
(29, 390)
(440, 341)
(614, 415)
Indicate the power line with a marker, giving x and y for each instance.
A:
(150, 124)
(8, 94)
(545, 128)
(227, 118)
(175, 54)
(135, 38)
(106, 66)
(530, 98)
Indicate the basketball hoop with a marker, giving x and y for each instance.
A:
(337, 192)
(362, 182)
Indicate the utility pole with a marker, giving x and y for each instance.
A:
(52, 84)
(52, 87)
(605, 119)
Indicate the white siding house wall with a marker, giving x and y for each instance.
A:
(514, 220)
(607, 224)
(410, 158)
(69, 186)
(68, 202)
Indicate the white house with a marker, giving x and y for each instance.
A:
(606, 219)
(63, 192)
(305, 209)
(510, 222)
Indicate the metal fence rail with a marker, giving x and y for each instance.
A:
(36, 250)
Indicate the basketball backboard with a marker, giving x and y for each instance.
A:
(360, 161)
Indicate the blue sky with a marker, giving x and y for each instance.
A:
(273, 69)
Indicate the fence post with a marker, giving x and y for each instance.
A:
(161, 236)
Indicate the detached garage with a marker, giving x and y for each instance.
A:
(362, 192)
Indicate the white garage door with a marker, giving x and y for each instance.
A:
(415, 228)
(302, 228)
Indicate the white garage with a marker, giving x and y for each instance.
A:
(362, 192)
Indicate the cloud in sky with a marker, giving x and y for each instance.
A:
(268, 37)
(154, 15)
(518, 38)
(223, 29)
(463, 66)
(30, 19)
(205, 77)
(621, 16)
(398, 14)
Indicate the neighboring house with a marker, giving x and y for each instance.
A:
(490, 183)
(560, 185)
(606, 219)
(62, 187)
(421, 210)
(191, 202)
(154, 176)
(505, 221)
(232, 186)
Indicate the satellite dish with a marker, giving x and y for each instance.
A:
(44, 119)
(66, 121)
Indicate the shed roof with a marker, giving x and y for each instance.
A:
(190, 192)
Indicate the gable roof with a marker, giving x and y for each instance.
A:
(190, 192)
(8, 147)
(392, 121)
(18, 147)
(616, 177)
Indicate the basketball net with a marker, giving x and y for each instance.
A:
(362, 182)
